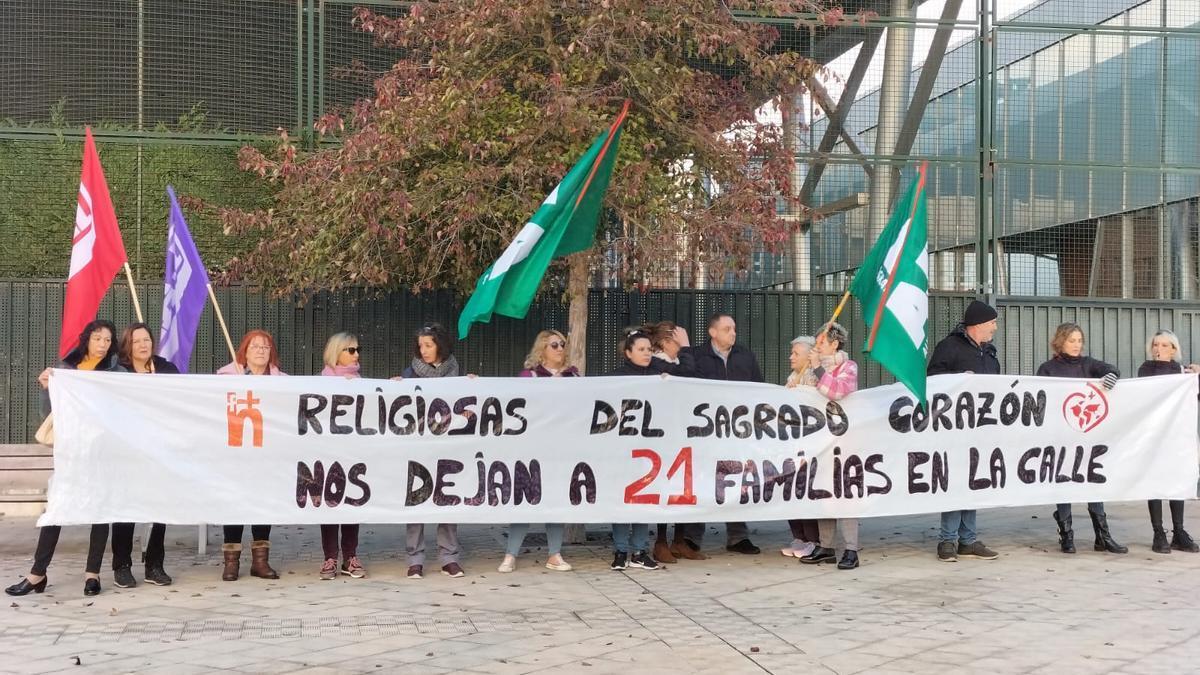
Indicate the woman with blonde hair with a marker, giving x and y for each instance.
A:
(341, 360)
(1069, 361)
(547, 358)
(1163, 357)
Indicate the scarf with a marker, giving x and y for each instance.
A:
(664, 357)
(447, 368)
(343, 371)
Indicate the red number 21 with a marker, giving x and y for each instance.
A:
(683, 459)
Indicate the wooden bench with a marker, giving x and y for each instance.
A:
(24, 476)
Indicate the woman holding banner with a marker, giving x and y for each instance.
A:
(1163, 358)
(341, 360)
(637, 353)
(547, 358)
(96, 350)
(136, 354)
(1069, 361)
(805, 532)
(672, 356)
(259, 355)
(433, 356)
(837, 377)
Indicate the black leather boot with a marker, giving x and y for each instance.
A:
(1181, 541)
(1160, 544)
(1104, 540)
(1066, 536)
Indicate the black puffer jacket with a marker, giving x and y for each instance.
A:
(161, 366)
(1152, 368)
(958, 353)
(1076, 366)
(628, 367)
(685, 368)
(741, 366)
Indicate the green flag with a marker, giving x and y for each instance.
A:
(893, 287)
(564, 224)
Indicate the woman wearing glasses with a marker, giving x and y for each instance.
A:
(256, 355)
(341, 360)
(547, 358)
(433, 356)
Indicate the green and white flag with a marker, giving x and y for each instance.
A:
(893, 287)
(564, 224)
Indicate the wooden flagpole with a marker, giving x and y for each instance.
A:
(224, 328)
(137, 306)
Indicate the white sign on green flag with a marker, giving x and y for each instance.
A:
(564, 224)
(893, 287)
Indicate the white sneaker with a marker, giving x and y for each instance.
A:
(509, 564)
(563, 566)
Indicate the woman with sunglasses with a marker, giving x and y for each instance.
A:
(341, 360)
(547, 358)
(256, 355)
(433, 356)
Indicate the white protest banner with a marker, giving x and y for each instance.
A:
(245, 449)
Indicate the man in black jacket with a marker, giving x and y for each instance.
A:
(968, 349)
(723, 359)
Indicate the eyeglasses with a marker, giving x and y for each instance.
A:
(556, 344)
(259, 348)
(351, 350)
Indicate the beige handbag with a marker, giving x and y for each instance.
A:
(45, 433)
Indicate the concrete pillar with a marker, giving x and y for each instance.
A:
(893, 105)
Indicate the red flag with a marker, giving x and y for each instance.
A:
(97, 252)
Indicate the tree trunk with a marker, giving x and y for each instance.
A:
(577, 319)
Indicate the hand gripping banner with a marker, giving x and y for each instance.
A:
(245, 449)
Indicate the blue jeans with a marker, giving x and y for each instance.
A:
(623, 533)
(517, 532)
(958, 526)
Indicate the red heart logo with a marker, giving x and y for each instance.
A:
(1085, 410)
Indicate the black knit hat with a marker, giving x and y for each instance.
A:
(978, 312)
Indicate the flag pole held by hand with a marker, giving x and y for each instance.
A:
(224, 329)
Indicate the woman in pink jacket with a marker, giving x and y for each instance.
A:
(256, 355)
(837, 378)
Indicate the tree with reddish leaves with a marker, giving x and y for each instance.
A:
(491, 104)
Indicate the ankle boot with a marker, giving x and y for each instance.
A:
(1160, 544)
(1066, 536)
(233, 561)
(1181, 541)
(1104, 540)
(259, 567)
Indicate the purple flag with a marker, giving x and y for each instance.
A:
(184, 291)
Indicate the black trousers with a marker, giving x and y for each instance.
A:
(233, 533)
(122, 546)
(48, 541)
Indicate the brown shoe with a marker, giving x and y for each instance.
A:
(233, 561)
(453, 570)
(415, 572)
(662, 552)
(687, 551)
(259, 567)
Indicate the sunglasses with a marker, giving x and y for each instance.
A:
(556, 344)
(352, 350)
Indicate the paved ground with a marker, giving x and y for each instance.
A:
(1033, 610)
